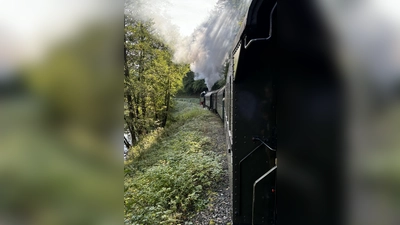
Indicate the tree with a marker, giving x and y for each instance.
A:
(191, 86)
(151, 78)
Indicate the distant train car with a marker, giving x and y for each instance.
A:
(202, 98)
(214, 101)
(219, 106)
(248, 107)
(211, 100)
(208, 99)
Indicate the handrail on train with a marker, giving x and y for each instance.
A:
(270, 31)
(254, 191)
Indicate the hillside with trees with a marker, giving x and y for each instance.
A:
(151, 79)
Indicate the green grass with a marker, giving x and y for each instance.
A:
(195, 100)
(168, 173)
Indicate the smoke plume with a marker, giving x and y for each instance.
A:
(211, 42)
(155, 11)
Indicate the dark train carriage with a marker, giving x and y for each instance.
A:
(220, 95)
(251, 117)
(211, 100)
(202, 98)
(311, 108)
(208, 99)
(214, 101)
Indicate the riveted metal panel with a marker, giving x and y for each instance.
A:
(252, 95)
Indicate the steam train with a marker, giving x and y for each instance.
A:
(310, 110)
(247, 105)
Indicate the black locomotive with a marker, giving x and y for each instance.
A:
(310, 111)
(247, 105)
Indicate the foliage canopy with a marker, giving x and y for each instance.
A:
(151, 79)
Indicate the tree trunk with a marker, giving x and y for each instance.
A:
(155, 110)
(140, 73)
(130, 125)
(143, 106)
(127, 144)
(167, 102)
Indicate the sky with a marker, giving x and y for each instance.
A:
(200, 33)
(188, 14)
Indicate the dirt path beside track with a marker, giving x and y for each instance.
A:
(218, 210)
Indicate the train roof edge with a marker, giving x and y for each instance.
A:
(249, 21)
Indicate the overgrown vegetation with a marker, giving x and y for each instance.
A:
(168, 172)
(191, 86)
(151, 79)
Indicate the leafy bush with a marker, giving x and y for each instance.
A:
(166, 179)
(165, 191)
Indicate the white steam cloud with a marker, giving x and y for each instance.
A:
(155, 10)
(212, 41)
(209, 45)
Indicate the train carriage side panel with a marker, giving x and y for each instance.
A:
(253, 122)
(214, 101)
(227, 125)
(220, 102)
(208, 100)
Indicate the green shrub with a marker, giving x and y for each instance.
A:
(171, 188)
(170, 170)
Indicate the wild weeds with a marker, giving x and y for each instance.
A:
(168, 174)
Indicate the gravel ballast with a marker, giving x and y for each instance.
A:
(218, 210)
